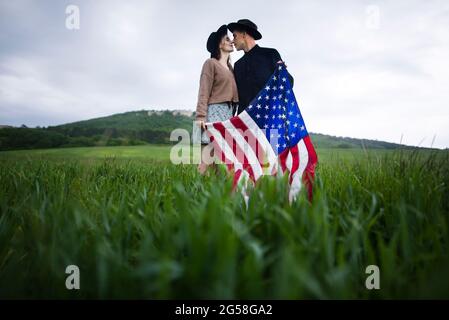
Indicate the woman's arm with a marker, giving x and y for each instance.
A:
(206, 83)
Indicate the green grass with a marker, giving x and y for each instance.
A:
(140, 227)
(162, 153)
(155, 152)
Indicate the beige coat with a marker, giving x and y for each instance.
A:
(217, 85)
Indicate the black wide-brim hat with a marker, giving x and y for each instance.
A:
(215, 37)
(247, 26)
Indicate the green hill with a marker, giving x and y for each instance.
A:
(327, 141)
(132, 120)
(138, 127)
(144, 126)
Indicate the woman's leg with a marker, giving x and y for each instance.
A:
(207, 157)
(216, 112)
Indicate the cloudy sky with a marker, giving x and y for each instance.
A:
(364, 69)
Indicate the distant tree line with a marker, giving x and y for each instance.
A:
(135, 128)
(124, 129)
(29, 138)
(34, 138)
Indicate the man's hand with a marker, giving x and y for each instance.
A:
(281, 62)
(289, 75)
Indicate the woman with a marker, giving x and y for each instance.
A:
(218, 91)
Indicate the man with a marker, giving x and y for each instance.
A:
(256, 66)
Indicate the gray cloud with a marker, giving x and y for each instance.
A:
(352, 79)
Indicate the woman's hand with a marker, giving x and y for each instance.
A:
(202, 125)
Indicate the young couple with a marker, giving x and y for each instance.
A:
(224, 91)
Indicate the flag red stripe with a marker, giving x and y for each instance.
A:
(237, 176)
(249, 136)
(227, 136)
(309, 171)
(221, 154)
(295, 159)
(283, 159)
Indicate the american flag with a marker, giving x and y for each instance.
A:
(268, 138)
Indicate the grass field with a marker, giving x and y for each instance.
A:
(139, 227)
(162, 153)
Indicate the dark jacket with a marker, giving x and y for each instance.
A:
(252, 72)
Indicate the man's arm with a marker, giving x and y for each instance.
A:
(277, 59)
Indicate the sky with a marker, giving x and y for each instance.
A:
(363, 69)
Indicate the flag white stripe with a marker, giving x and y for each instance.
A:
(289, 161)
(225, 147)
(263, 141)
(297, 176)
(232, 131)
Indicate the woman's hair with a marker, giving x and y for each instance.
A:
(216, 53)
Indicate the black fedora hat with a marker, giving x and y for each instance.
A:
(246, 25)
(215, 37)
